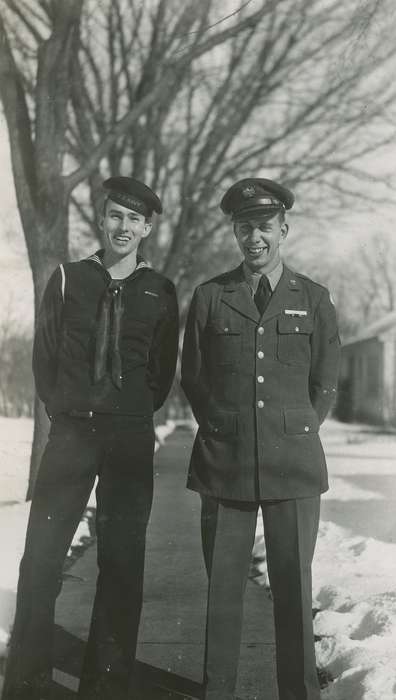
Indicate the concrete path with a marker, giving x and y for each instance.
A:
(171, 639)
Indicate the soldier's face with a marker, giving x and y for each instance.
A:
(123, 228)
(259, 240)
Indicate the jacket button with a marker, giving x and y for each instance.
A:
(260, 330)
(260, 404)
(260, 354)
(306, 428)
(260, 379)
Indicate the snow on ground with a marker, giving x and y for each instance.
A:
(354, 574)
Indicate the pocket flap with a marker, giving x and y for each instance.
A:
(301, 421)
(295, 324)
(220, 326)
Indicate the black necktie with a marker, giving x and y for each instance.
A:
(263, 294)
(107, 351)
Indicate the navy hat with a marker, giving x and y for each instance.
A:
(256, 196)
(132, 194)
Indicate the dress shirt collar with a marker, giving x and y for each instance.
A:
(253, 278)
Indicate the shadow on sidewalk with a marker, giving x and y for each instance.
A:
(156, 683)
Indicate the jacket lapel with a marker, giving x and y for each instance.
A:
(237, 295)
(287, 294)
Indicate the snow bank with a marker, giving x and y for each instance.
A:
(354, 576)
(355, 589)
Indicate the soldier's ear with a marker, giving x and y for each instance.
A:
(284, 230)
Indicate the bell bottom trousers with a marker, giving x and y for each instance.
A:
(120, 451)
(290, 530)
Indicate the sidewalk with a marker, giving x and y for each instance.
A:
(171, 639)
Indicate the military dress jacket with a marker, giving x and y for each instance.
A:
(259, 387)
(66, 336)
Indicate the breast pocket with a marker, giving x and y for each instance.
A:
(294, 336)
(225, 342)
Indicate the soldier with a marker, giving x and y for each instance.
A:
(104, 359)
(259, 368)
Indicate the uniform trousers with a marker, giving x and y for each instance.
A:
(290, 530)
(119, 450)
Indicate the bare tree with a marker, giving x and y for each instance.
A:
(362, 281)
(187, 96)
(16, 381)
(39, 75)
(303, 94)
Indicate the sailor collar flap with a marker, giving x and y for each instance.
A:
(97, 259)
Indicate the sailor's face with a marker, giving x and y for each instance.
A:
(123, 228)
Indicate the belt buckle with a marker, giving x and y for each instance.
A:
(75, 413)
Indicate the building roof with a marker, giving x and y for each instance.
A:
(372, 330)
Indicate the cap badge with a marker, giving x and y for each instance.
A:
(248, 192)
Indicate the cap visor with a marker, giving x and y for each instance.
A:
(257, 212)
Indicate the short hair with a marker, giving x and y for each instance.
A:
(104, 208)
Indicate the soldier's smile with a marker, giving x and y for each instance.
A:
(256, 251)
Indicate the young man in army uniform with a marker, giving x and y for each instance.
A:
(260, 362)
(104, 359)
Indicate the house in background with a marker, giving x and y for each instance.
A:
(367, 385)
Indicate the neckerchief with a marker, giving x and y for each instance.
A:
(107, 349)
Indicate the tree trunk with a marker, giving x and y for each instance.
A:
(47, 257)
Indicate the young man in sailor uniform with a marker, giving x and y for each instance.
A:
(104, 359)
(260, 363)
